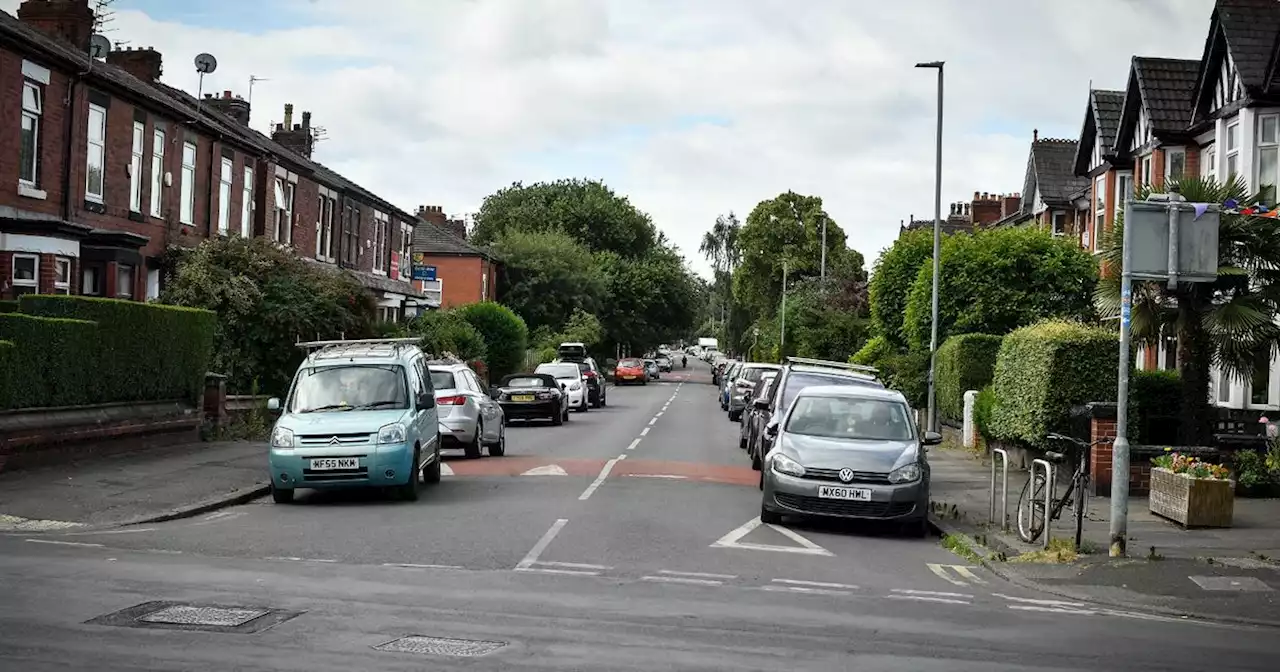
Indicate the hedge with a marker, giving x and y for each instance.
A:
(8, 306)
(1045, 369)
(8, 372)
(148, 351)
(505, 335)
(55, 361)
(965, 362)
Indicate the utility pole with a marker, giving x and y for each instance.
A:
(932, 422)
(782, 338)
(823, 272)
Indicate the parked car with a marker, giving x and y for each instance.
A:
(726, 381)
(796, 374)
(530, 396)
(848, 451)
(760, 391)
(664, 363)
(571, 381)
(630, 371)
(572, 352)
(717, 370)
(651, 369)
(597, 390)
(358, 414)
(469, 417)
(742, 385)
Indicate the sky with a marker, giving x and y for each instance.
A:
(690, 108)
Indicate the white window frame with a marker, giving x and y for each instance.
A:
(1272, 147)
(326, 203)
(1144, 165)
(61, 286)
(96, 152)
(380, 230)
(246, 203)
(282, 227)
(1122, 193)
(484, 277)
(1209, 163)
(34, 282)
(32, 113)
(1222, 395)
(127, 291)
(406, 250)
(157, 172)
(138, 143)
(188, 195)
(1169, 153)
(1054, 227)
(1099, 209)
(1233, 152)
(226, 175)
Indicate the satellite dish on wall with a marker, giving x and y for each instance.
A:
(206, 63)
(99, 46)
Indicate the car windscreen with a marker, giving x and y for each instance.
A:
(525, 381)
(754, 373)
(349, 387)
(798, 380)
(839, 417)
(443, 380)
(560, 370)
(630, 364)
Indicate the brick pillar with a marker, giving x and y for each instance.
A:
(215, 400)
(1100, 454)
(47, 273)
(109, 271)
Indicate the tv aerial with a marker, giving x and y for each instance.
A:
(99, 46)
(205, 64)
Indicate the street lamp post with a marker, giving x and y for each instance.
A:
(823, 272)
(782, 338)
(937, 246)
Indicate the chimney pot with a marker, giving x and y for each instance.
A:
(226, 94)
(975, 195)
(1035, 135)
(306, 120)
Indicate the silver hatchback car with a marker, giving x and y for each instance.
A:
(848, 452)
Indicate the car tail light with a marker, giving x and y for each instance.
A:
(589, 374)
(451, 401)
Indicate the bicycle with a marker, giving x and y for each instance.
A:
(1031, 502)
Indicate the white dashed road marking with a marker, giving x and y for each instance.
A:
(804, 590)
(963, 574)
(816, 584)
(63, 543)
(413, 565)
(604, 473)
(933, 593)
(634, 443)
(644, 432)
(927, 598)
(546, 470)
(698, 575)
(680, 579)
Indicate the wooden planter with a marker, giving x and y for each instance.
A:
(1193, 502)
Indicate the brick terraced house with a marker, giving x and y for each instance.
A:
(465, 273)
(108, 167)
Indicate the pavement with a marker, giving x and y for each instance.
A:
(1228, 574)
(626, 539)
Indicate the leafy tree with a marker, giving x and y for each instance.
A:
(997, 280)
(650, 300)
(895, 271)
(1230, 322)
(547, 275)
(786, 228)
(446, 331)
(587, 210)
(266, 300)
(505, 335)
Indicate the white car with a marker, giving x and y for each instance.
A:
(469, 417)
(570, 378)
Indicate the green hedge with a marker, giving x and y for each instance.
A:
(8, 306)
(505, 335)
(55, 361)
(148, 351)
(1045, 369)
(8, 372)
(965, 362)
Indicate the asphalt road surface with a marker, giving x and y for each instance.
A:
(626, 539)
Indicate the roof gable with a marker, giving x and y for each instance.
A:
(1101, 121)
(1051, 173)
(1158, 101)
(1239, 58)
(429, 239)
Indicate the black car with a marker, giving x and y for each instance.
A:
(597, 394)
(532, 396)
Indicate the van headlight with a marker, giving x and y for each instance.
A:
(785, 465)
(392, 433)
(281, 438)
(905, 474)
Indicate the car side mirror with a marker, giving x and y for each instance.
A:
(762, 404)
(564, 387)
(273, 404)
(425, 401)
(771, 431)
(495, 393)
(931, 439)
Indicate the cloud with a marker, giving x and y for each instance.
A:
(690, 109)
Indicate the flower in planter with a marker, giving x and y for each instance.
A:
(1190, 466)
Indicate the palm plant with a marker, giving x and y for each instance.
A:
(1230, 322)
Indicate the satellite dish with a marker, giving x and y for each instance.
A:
(99, 46)
(206, 63)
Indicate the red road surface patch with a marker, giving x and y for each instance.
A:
(687, 471)
(690, 471)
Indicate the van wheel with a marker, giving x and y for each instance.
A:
(472, 449)
(431, 473)
(281, 495)
(409, 491)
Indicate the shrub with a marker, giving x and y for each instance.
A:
(148, 351)
(965, 362)
(983, 408)
(446, 331)
(1045, 369)
(56, 362)
(8, 306)
(505, 335)
(8, 373)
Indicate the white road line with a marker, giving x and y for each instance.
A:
(634, 443)
(94, 534)
(732, 540)
(673, 477)
(282, 558)
(574, 565)
(604, 473)
(699, 575)
(572, 572)
(413, 565)
(532, 556)
(1052, 610)
(934, 593)
(445, 470)
(937, 569)
(163, 551)
(926, 598)
(1050, 603)
(63, 543)
(644, 432)
(807, 591)
(677, 579)
(816, 584)
(655, 419)
(658, 415)
(968, 574)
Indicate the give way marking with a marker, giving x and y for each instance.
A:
(734, 540)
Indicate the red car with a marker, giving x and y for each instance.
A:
(630, 371)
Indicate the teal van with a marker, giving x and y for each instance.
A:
(359, 413)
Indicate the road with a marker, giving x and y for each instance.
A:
(626, 539)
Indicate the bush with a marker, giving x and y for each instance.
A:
(148, 351)
(505, 335)
(1045, 369)
(965, 362)
(1156, 400)
(55, 362)
(8, 306)
(983, 408)
(446, 331)
(8, 373)
(891, 280)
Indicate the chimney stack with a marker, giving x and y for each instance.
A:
(70, 21)
(145, 64)
(294, 136)
(232, 106)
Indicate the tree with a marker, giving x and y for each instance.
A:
(997, 280)
(505, 335)
(650, 300)
(587, 210)
(547, 275)
(446, 331)
(787, 228)
(895, 271)
(1230, 322)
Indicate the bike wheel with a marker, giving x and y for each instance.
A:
(1080, 498)
(1031, 513)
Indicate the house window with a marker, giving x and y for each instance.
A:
(26, 274)
(283, 227)
(124, 281)
(246, 203)
(1099, 208)
(324, 228)
(484, 282)
(1210, 167)
(406, 251)
(96, 154)
(1233, 150)
(135, 166)
(188, 214)
(351, 235)
(1260, 380)
(1169, 350)
(1175, 163)
(61, 275)
(1145, 166)
(32, 113)
(1059, 224)
(157, 171)
(91, 281)
(1224, 387)
(1268, 156)
(224, 195)
(380, 230)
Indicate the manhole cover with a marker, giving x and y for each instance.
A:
(441, 646)
(211, 616)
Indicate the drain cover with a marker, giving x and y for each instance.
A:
(213, 616)
(441, 646)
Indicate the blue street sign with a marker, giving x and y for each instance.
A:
(424, 272)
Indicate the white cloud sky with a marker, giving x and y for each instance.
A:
(691, 109)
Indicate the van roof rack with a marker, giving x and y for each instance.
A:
(833, 364)
(335, 347)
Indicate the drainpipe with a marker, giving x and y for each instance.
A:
(69, 140)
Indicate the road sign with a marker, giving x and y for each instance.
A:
(424, 272)
(734, 540)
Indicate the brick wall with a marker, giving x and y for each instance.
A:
(1100, 457)
(462, 277)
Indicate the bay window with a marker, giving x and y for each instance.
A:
(124, 281)
(61, 275)
(1268, 156)
(26, 274)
